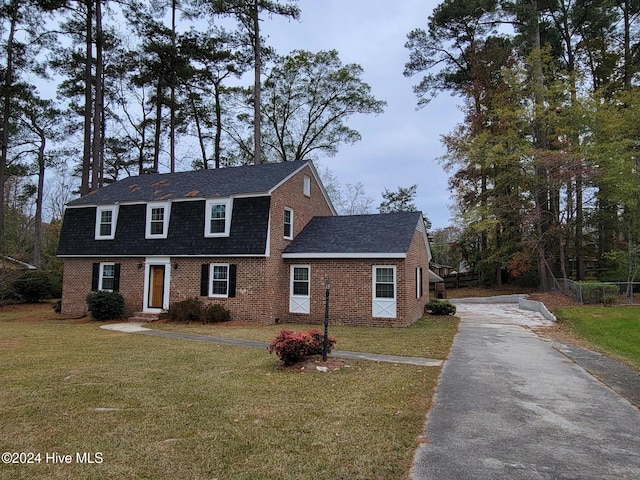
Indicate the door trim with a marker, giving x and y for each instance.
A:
(148, 263)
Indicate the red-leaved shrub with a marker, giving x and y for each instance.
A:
(292, 347)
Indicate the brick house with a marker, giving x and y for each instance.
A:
(259, 240)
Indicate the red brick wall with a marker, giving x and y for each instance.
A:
(77, 283)
(416, 257)
(290, 195)
(350, 301)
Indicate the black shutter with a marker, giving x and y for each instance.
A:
(232, 280)
(116, 277)
(95, 277)
(204, 280)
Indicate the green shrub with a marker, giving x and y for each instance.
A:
(32, 287)
(440, 307)
(292, 347)
(188, 310)
(596, 292)
(215, 313)
(105, 305)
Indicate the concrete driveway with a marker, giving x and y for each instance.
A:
(510, 406)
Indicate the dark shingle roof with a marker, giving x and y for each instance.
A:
(222, 182)
(357, 234)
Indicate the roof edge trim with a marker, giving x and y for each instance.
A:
(344, 255)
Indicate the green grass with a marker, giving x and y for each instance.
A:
(197, 410)
(613, 330)
(429, 337)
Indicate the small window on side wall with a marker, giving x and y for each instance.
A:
(307, 186)
(288, 223)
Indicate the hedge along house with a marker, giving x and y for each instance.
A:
(259, 240)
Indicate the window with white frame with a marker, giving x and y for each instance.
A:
(385, 282)
(219, 276)
(218, 219)
(300, 281)
(107, 276)
(157, 220)
(419, 292)
(106, 218)
(307, 186)
(288, 223)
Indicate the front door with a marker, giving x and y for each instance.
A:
(299, 298)
(156, 286)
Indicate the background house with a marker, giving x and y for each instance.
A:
(253, 238)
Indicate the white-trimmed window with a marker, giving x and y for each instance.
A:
(306, 189)
(218, 218)
(218, 280)
(157, 220)
(106, 219)
(384, 291)
(419, 292)
(288, 223)
(219, 276)
(385, 282)
(105, 276)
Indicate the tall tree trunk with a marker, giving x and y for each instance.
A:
(257, 54)
(156, 142)
(172, 108)
(88, 97)
(196, 119)
(37, 241)
(218, 134)
(540, 141)
(98, 109)
(628, 58)
(6, 115)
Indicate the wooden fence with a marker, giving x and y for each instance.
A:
(460, 280)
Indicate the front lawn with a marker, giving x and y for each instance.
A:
(162, 408)
(429, 337)
(613, 330)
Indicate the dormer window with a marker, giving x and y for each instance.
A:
(157, 220)
(106, 219)
(218, 218)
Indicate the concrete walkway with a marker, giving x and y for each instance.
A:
(139, 328)
(511, 406)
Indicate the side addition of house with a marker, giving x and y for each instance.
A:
(259, 240)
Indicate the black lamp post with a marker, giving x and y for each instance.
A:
(327, 286)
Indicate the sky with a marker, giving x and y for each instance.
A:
(401, 146)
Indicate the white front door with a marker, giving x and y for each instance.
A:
(299, 297)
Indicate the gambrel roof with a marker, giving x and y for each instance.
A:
(386, 235)
(222, 182)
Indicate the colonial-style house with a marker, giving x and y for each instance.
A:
(260, 240)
